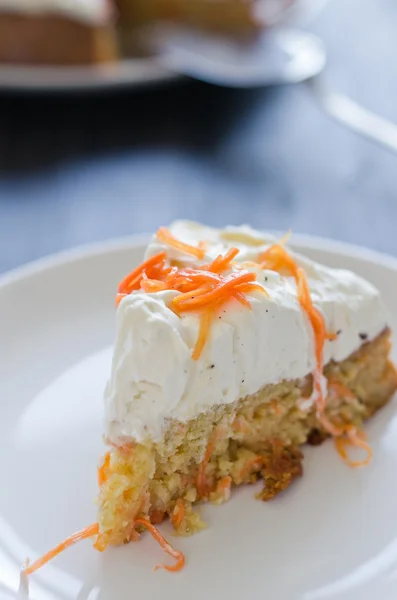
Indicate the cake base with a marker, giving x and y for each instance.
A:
(230, 16)
(256, 437)
(53, 40)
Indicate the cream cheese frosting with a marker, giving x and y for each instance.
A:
(87, 11)
(154, 378)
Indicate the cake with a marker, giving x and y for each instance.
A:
(232, 352)
(81, 32)
(57, 32)
(221, 15)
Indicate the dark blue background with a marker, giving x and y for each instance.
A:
(79, 169)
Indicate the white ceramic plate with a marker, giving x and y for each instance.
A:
(331, 536)
(134, 72)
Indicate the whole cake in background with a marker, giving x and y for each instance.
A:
(232, 351)
(76, 32)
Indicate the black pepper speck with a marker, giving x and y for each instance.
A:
(363, 336)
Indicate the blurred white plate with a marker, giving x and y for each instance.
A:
(331, 536)
(128, 72)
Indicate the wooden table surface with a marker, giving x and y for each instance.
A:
(79, 169)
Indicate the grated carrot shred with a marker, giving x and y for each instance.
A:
(178, 514)
(276, 258)
(250, 466)
(222, 263)
(166, 546)
(151, 285)
(201, 479)
(88, 532)
(165, 236)
(242, 299)
(356, 438)
(221, 292)
(133, 279)
(203, 290)
(102, 470)
(340, 389)
(224, 487)
(204, 327)
(92, 530)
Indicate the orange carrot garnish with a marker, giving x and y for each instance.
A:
(151, 285)
(222, 263)
(133, 279)
(165, 236)
(73, 539)
(276, 258)
(221, 292)
(204, 327)
(193, 294)
(248, 288)
(242, 299)
(203, 290)
(102, 470)
(166, 546)
(101, 543)
(178, 514)
(224, 487)
(356, 438)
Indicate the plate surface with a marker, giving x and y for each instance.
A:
(134, 72)
(332, 536)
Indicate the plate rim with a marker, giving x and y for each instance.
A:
(116, 244)
(85, 78)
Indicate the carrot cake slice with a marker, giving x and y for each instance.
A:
(57, 32)
(232, 351)
(231, 16)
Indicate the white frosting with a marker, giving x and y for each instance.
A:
(88, 11)
(153, 376)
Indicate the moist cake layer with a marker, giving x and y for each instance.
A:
(227, 15)
(256, 437)
(154, 378)
(55, 40)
